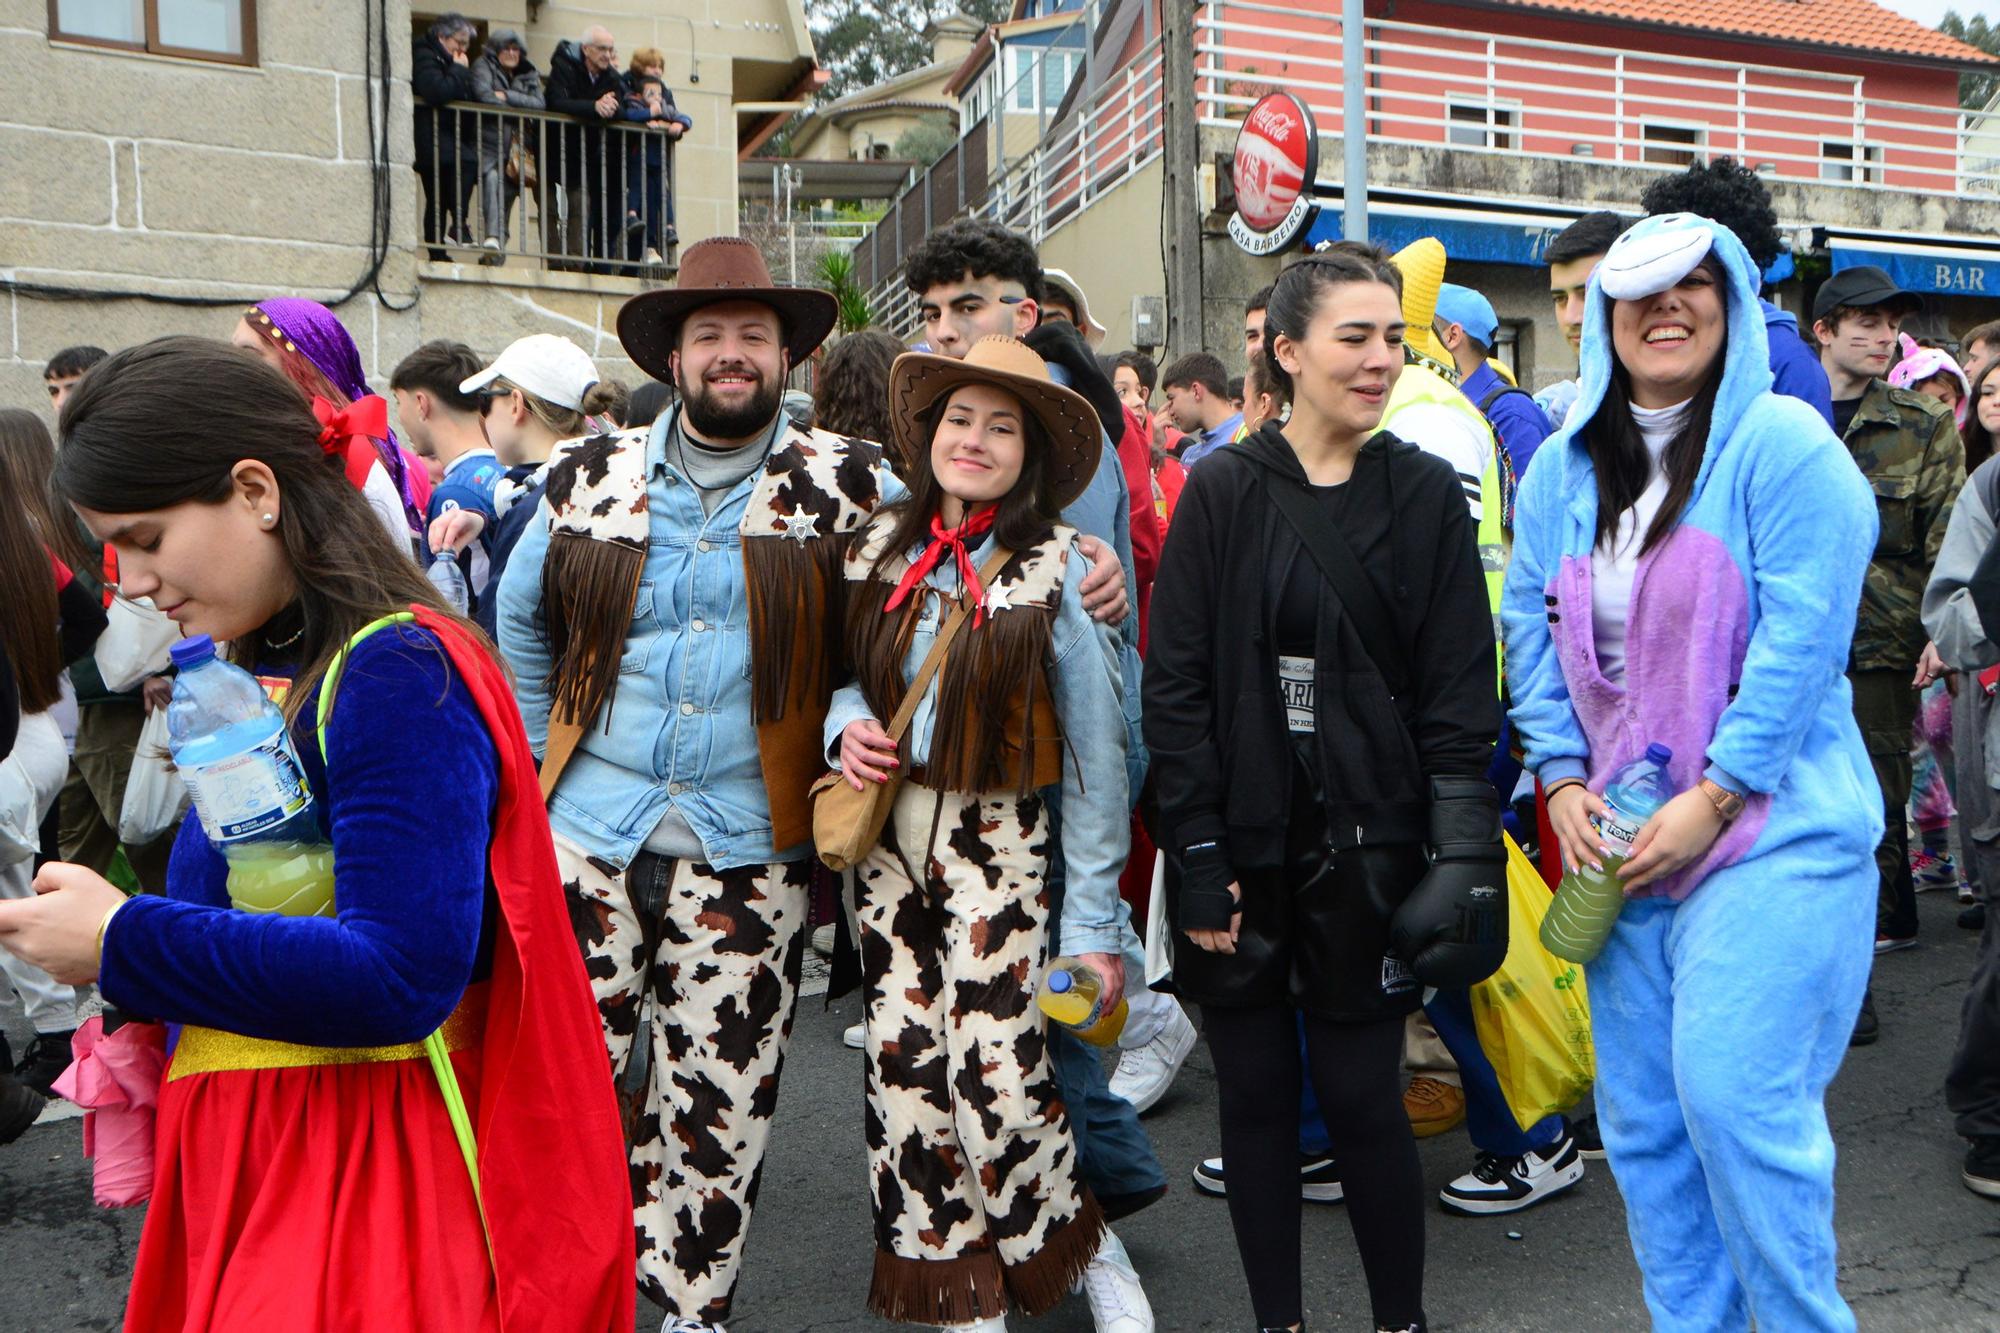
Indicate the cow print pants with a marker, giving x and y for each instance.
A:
(971, 1163)
(718, 953)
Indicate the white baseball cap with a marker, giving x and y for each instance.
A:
(1093, 332)
(551, 368)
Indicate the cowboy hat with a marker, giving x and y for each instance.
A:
(918, 380)
(723, 268)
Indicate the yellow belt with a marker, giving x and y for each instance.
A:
(212, 1051)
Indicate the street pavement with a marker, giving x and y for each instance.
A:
(1917, 1251)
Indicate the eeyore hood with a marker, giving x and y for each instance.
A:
(1746, 369)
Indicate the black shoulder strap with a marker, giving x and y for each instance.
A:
(1337, 562)
(1499, 391)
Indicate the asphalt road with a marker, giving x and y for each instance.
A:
(1917, 1250)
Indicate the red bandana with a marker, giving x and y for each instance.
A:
(951, 540)
(368, 417)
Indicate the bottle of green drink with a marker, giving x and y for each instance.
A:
(1588, 901)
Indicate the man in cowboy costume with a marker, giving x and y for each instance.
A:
(672, 616)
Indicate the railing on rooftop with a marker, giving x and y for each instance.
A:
(548, 188)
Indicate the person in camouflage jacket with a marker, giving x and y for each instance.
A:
(1907, 447)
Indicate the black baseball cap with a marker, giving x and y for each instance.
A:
(1861, 287)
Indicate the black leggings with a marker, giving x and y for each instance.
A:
(1357, 1076)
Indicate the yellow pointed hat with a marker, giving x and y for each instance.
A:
(1421, 263)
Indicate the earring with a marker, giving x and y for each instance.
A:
(269, 519)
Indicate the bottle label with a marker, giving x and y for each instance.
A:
(1618, 831)
(245, 794)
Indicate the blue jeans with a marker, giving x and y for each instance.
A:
(1113, 1153)
(1488, 1122)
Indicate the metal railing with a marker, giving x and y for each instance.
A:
(1517, 96)
(540, 186)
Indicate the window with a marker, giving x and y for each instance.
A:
(1671, 145)
(1845, 160)
(223, 30)
(1479, 124)
(1038, 76)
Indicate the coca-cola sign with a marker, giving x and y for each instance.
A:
(1277, 157)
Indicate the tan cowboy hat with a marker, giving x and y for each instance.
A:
(918, 379)
(723, 268)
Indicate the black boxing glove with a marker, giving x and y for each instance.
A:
(1206, 902)
(1058, 342)
(1452, 929)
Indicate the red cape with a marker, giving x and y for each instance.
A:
(552, 1168)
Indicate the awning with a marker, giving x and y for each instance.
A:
(1951, 266)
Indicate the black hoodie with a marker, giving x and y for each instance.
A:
(1214, 720)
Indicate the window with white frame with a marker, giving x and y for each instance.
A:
(1672, 145)
(1038, 76)
(1846, 160)
(1481, 122)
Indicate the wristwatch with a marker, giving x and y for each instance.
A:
(1726, 802)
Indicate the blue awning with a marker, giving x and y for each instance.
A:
(1951, 270)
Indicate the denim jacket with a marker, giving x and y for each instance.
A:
(1088, 693)
(677, 731)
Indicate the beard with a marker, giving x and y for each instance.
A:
(718, 421)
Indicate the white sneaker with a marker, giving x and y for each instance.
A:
(1146, 1072)
(1508, 1184)
(991, 1324)
(855, 1037)
(676, 1324)
(1118, 1303)
(822, 939)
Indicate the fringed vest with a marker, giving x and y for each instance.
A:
(815, 488)
(996, 721)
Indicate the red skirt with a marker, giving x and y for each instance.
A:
(325, 1198)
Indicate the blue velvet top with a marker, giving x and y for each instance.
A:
(409, 810)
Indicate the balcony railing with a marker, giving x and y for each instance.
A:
(546, 188)
(1518, 96)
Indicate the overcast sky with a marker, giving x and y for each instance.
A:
(1928, 12)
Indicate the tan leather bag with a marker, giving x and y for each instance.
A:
(848, 823)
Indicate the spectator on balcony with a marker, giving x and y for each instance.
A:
(584, 83)
(1198, 400)
(649, 207)
(1728, 192)
(447, 161)
(508, 157)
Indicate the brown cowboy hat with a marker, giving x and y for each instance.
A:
(919, 379)
(723, 268)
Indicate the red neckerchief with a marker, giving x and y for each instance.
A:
(950, 540)
(349, 433)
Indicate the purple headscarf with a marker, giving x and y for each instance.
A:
(317, 332)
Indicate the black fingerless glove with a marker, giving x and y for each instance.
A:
(1206, 903)
(1058, 342)
(1452, 929)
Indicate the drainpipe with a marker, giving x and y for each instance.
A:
(1353, 122)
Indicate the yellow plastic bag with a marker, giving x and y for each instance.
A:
(1533, 1015)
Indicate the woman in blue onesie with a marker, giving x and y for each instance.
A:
(1688, 557)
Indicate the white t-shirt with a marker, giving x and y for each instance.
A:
(1612, 570)
(1456, 437)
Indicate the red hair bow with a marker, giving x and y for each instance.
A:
(367, 417)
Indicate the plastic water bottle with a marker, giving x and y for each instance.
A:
(1072, 994)
(232, 748)
(449, 580)
(1588, 901)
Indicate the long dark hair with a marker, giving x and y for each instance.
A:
(1296, 295)
(164, 423)
(28, 467)
(28, 612)
(1618, 451)
(1978, 439)
(851, 396)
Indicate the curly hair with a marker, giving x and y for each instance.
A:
(851, 395)
(1727, 192)
(975, 248)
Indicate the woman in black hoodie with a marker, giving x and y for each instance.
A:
(1321, 714)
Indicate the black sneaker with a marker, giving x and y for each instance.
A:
(1116, 1206)
(1973, 917)
(1589, 1143)
(1982, 1166)
(1319, 1179)
(48, 1055)
(1866, 1026)
(19, 1105)
(1508, 1184)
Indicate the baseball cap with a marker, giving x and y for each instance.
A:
(1862, 286)
(1469, 310)
(1093, 332)
(551, 368)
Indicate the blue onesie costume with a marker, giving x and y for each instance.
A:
(1723, 1003)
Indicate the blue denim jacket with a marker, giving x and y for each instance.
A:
(1087, 691)
(677, 730)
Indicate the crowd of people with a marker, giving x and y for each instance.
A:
(602, 186)
(1235, 695)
